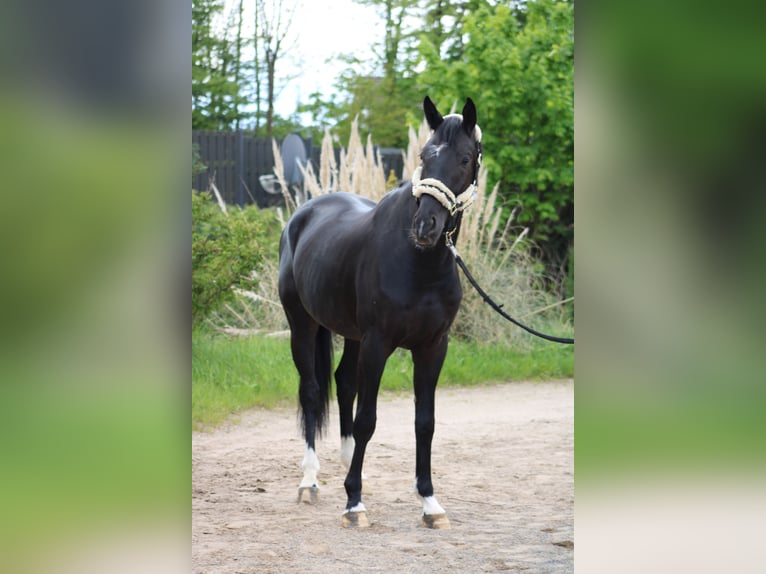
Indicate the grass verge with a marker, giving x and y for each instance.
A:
(230, 374)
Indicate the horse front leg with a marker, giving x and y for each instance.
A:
(427, 366)
(345, 379)
(372, 357)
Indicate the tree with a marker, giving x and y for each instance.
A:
(273, 28)
(216, 72)
(444, 20)
(238, 69)
(382, 93)
(518, 65)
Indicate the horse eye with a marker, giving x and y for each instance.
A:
(466, 160)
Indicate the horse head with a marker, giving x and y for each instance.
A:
(445, 182)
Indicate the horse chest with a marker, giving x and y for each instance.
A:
(430, 316)
(430, 304)
(413, 308)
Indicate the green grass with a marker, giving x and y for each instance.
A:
(230, 374)
(233, 373)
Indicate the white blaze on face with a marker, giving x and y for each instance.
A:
(438, 149)
(310, 468)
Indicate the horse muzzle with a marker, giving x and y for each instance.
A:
(425, 232)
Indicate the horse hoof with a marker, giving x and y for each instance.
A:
(436, 521)
(313, 494)
(355, 520)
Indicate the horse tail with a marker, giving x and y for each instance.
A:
(323, 361)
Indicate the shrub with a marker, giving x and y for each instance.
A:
(227, 248)
(198, 166)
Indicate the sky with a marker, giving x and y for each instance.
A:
(319, 31)
(323, 29)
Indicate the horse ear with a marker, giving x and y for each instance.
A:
(433, 117)
(469, 116)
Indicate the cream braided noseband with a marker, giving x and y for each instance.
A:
(443, 194)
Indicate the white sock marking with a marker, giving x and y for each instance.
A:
(346, 450)
(358, 508)
(430, 504)
(347, 453)
(310, 468)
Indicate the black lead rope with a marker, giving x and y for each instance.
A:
(488, 300)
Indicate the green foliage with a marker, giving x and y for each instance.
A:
(230, 374)
(198, 165)
(518, 65)
(382, 94)
(226, 250)
(516, 61)
(382, 106)
(444, 20)
(217, 91)
(284, 126)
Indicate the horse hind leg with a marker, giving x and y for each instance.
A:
(312, 354)
(308, 489)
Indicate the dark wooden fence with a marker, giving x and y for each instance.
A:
(235, 161)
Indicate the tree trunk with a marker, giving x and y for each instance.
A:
(257, 62)
(271, 63)
(237, 66)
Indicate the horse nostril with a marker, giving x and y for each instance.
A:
(425, 226)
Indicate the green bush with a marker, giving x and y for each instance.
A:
(198, 166)
(227, 248)
(517, 63)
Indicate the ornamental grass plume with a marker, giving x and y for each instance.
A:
(493, 246)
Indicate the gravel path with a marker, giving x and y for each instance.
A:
(502, 468)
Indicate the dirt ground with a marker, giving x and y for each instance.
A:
(502, 469)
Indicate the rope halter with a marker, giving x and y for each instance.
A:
(443, 194)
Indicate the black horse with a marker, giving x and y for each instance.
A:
(382, 276)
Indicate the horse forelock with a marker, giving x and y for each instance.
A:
(449, 130)
(452, 126)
